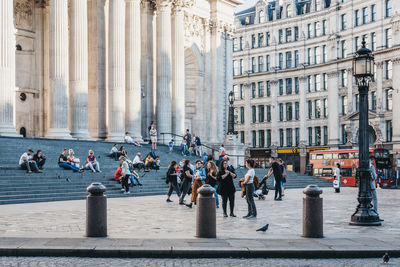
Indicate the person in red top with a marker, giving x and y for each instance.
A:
(118, 174)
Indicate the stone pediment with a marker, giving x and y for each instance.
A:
(355, 115)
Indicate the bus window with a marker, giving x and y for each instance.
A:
(317, 172)
(343, 155)
(381, 153)
(327, 156)
(335, 156)
(352, 155)
(356, 155)
(320, 156)
(346, 172)
(327, 172)
(313, 156)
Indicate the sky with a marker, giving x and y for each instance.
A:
(247, 4)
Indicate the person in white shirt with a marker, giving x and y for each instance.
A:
(338, 178)
(130, 140)
(248, 182)
(27, 163)
(114, 153)
(138, 163)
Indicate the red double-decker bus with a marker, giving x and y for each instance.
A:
(324, 162)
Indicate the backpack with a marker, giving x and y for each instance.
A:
(153, 154)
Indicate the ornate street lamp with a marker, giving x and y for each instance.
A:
(363, 68)
(231, 122)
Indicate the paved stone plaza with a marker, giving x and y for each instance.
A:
(152, 218)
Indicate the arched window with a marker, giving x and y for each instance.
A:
(261, 16)
(289, 11)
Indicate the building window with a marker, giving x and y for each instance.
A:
(373, 100)
(261, 17)
(288, 11)
(323, 53)
(260, 89)
(261, 138)
(309, 83)
(388, 37)
(343, 48)
(241, 91)
(317, 55)
(317, 109)
(241, 67)
(324, 81)
(344, 134)
(280, 63)
(289, 111)
(280, 35)
(281, 137)
(235, 68)
(343, 22)
(253, 90)
(309, 106)
(296, 85)
(254, 138)
(289, 86)
(288, 60)
(253, 114)
(373, 42)
(365, 15)
(261, 113)
(389, 133)
(343, 78)
(316, 29)
(280, 111)
(268, 138)
(308, 31)
(323, 27)
(357, 18)
(355, 43)
(317, 82)
(280, 87)
(388, 8)
(309, 136)
(296, 58)
(267, 36)
(288, 36)
(241, 115)
(373, 12)
(289, 137)
(309, 56)
(344, 105)
(325, 135)
(297, 136)
(268, 88)
(260, 39)
(268, 63)
(253, 41)
(325, 107)
(388, 69)
(268, 113)
(260, 63)
(241, 43)
(317, 136)
(253, 64)
(357, 102)
(296, 111)
(388, 99)
(242, 137)
(296, 33)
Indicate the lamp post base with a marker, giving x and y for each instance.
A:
(364, 216)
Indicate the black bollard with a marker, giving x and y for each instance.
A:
(96, 211)
(206, 220)
(312, 212)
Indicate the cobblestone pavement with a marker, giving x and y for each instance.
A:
(153, 218)
(86, 262)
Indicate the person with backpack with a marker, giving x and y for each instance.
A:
(284, 175)
(186, 177)
(171, 179)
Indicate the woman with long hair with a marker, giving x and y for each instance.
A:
(186, 178)
(248, 182)
(212, 173)
(172, 181)
(226, 188)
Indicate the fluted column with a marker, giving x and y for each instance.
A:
(178, 70)
(164, 101)
(59, 77)
(133, 56)
(78, 69)
(7, 68)
(333, 104)
(116, 71)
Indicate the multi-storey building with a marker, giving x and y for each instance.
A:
(293, 82)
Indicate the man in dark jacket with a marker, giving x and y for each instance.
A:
(277, 171)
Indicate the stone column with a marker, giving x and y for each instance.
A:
(7, 68)
(396, 106)
(178, 70)
(59, 78)
(302, 110)
(247, 115)
(333, 104)
(274, 113)
(116, 71)
(164, 101)
(78, 69)
(133, 83)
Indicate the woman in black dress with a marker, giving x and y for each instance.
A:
(226, 188)
(172, 180)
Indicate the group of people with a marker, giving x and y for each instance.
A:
(191, 144)
(183, 178)
(73, 163)
(32, 162)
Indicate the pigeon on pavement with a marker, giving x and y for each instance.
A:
(264, 228)
(386, 258)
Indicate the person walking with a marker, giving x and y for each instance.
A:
(372, 183)
(337, 178)
(153, 137)
(186, 178)
(172, 180)
(276, 170)
(249, 184)
(212, 173)
(199, 177)
(284, 175)
(226, 188)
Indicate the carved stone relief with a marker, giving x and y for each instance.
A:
(23, 14)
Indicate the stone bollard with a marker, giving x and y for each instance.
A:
(312, 212)
(206, 221)
(96, 211)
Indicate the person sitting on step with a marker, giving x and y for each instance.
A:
(130, 140)
(27, 163)
(138, 163)
(40, 159)
(115, 153)
(65, 164)
(92, 163)
(72, 159)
